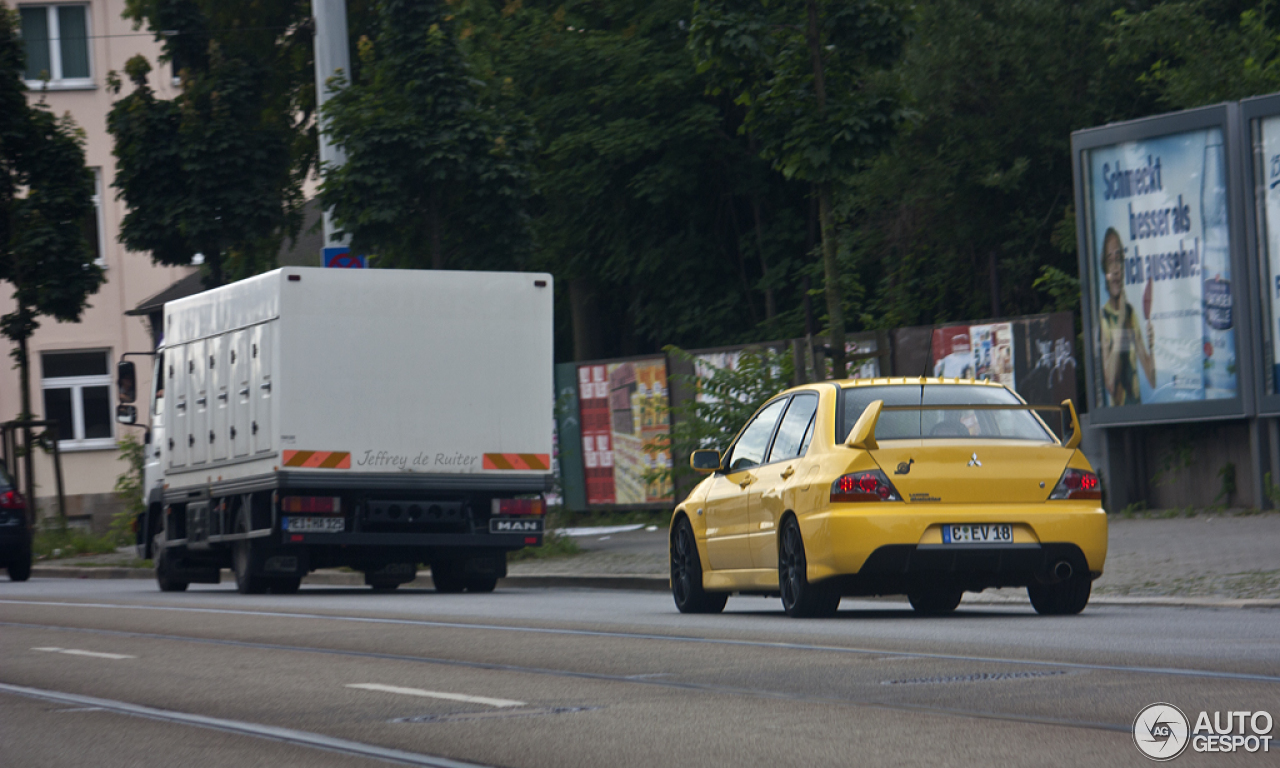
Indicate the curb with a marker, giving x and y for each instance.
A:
(645, 583)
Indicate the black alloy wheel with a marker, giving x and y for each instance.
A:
(935, 599)
(1065, 598)
(800, 598)
(686, 575)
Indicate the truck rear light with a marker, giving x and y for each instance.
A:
(11, 499)
(319, 505)
(519, 507)
(871, 485)
(1077, 484)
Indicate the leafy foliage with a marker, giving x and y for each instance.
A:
(218, 170)
(436, 174)
(727, 398)
(45, 196)
(129, 489)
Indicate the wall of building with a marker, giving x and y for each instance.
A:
(131, 277)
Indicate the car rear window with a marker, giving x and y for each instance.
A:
(942, 424)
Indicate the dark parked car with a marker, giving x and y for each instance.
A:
(15, 533)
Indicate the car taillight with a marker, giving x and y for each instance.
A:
(864, 486)
(1077, 484)
(11, 499)
(318, 505)
(519, 507)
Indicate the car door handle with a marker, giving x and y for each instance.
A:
(748, 480)
(788, 472)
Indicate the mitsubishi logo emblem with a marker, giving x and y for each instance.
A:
(973, 461)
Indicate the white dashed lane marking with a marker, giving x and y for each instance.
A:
(437, 695)
(78, 652)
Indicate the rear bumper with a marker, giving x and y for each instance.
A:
(841, 540)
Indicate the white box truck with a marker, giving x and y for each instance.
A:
(374, 419)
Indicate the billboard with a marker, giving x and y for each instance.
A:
(623, 409)
(1033, 355)
(1159, 262)
(1266, 149)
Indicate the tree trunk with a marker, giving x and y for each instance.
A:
(770, 305)
(586, 323)
(831, 276)
(826, 216)
(28, 461)
(437, 253)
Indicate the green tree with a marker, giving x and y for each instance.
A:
(1199, 52)
(958, 216)
(218, 170)
(660, 222)
(437, 171)
(45, 197)
(810, 75)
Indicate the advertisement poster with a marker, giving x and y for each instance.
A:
(1161, 263)
(623, 408)
(1269, 175)
(975, 352)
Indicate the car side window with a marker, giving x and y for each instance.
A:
(790, 441)
(750, 448)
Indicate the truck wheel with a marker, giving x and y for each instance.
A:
(447, 576)
(286, 586)
(20, 566)
(247, 583)
(482, 583)
(935, 599)
(384, 586)
(165, 576)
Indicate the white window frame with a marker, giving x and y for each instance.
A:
(56, 81)
(77, 385)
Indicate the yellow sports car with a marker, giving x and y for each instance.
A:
(923, 487)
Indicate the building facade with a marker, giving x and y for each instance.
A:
(71, 48)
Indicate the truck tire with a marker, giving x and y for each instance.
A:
(384, 586)
(287, 585)
(19, 567)
(447, 577)
(482, 583)
(165, 577)
(242, 562)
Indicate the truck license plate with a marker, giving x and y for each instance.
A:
(979, 533)
(515, 525)
(315, 524)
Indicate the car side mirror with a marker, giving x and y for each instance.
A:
(704, 460)
(126, 384)
(126, 414)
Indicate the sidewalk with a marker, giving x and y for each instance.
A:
(1218, 560)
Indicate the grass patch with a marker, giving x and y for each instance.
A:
(70, 543)
(133, 563)
(553, 545)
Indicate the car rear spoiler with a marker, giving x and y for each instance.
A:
(863, 434)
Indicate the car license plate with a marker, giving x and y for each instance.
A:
(515, 525)
(315, 524)
(978, 533)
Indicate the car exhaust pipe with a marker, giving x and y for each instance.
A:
(1062, 570)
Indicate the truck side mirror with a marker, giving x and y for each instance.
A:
(126, 385)
(126, 414)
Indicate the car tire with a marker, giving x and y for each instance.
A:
(19, 567)
(247, 582)
(686, 575)
(935, 600)
(1065, 598)
(800, 598)
(166, 579)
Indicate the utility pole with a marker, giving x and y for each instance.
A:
(331, 55)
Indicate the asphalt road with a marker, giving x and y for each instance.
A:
(112, 672)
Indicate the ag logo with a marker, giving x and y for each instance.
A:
(1160, 732)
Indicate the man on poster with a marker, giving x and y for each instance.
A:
(1123, 349)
